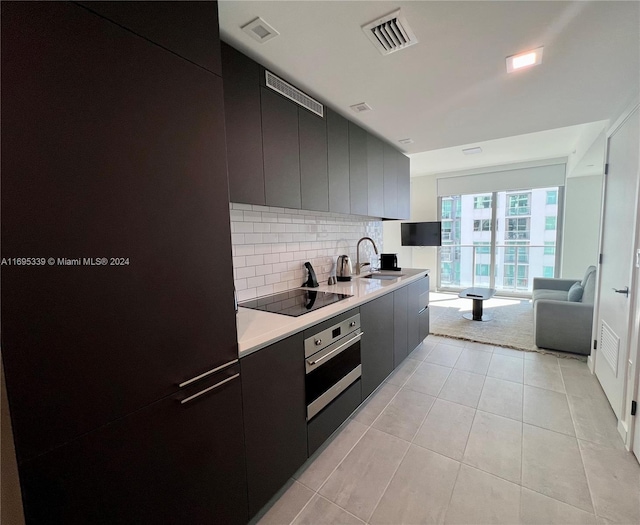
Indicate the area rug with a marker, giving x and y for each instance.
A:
(511, 322)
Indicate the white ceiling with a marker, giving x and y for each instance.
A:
(451, 90)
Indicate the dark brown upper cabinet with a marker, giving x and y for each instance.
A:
(281, 151)
(112, 147)
(243, 123)
(404, 187)
(358, 178)
(375, 176)
(190, 31)
(390, 182)
(338, 159)
(314, 177)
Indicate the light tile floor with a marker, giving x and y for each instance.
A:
(463, 433)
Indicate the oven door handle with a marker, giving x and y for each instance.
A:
(337, 349)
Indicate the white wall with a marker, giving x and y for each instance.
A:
(581, 231)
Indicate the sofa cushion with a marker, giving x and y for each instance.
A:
(575, 293)
(555, 295)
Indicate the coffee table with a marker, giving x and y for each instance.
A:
(478, 295)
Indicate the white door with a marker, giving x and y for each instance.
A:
(618, 234)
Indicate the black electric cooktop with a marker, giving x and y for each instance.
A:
(294, 302)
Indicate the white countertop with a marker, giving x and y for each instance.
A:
(257, 329)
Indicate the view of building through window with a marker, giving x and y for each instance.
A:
(500, 240)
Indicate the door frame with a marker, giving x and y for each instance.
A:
(631, 369)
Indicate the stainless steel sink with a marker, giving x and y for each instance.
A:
(383, 276)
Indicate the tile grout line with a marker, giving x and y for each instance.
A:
(573, 421)
(388, 483)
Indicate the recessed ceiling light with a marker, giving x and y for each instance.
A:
(472, 151)
(406, 141)
(259, 30)
(360, 107)
(524, 60)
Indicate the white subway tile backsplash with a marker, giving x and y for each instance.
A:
(249, 271)
(271, 245)
(254, 282)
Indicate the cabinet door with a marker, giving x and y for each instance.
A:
(189, 29)
(400, 325)
(413, 326)
(280, 150)
(404, 187)
(111, 147)
(314, 177)
(390, 170)
(167, 463)
(275, 411)
(243, 122)
(424, 324)
(375, 176)
(358, 181)
(376, 318)
(338, 161)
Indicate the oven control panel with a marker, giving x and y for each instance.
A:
(330, 335)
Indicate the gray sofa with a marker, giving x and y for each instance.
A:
(563, 313)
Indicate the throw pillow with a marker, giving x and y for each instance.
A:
(575, 293)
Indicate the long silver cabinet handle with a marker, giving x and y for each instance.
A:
(311, 363)
(197, 378)
(202, 392)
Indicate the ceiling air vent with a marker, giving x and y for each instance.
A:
(390, 33)
(287, 90)
(360, 107)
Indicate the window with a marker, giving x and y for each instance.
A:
(549, 223)
(518, 204)
(446, 208)
(517, 229)
(522, 280)
(483, 202)
(549, 248)
(547, 271)
(446, 230)
(445, 254)
(482, 270)
(482, 248)
(515, 252)
(552, 197)
(483, 225)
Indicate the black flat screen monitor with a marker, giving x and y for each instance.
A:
(421, 233)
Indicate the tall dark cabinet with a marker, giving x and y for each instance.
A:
(375, 176)
(243, 123)
(338, 162)
(314, 178)
(114, 172)
(280, 150)
(358, 177)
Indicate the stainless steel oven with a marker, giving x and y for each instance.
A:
(332, 363)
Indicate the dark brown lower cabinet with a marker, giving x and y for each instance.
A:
(400, 325)
(376, 321)
(274, 406)
(423, 323)
(171, 462)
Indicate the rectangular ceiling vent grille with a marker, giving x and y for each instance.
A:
(287, 90)
(390, 33)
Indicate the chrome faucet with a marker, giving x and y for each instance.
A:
(358, 265)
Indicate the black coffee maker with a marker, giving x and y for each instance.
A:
(389, 261)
